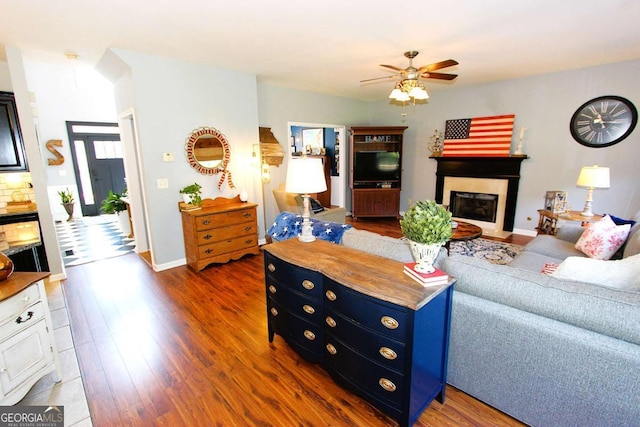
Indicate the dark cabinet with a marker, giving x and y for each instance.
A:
(12, 155)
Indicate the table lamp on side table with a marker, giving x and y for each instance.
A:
(592, 177)
(305, 175)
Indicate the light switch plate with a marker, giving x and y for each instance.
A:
(167, 157)
(163, 183)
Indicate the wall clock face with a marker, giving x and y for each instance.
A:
(603, 121)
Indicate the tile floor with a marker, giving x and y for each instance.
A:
(70, 391)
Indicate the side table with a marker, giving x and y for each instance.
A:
(548, 222)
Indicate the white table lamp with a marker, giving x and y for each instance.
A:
(592, 177)
(305, 175)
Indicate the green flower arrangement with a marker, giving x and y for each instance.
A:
(427, 222)
(194, 192)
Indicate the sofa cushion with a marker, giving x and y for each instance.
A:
(533, 261)
(621, 274)
(603, 238)
(551, 247)
(611, 312)
(376, 244)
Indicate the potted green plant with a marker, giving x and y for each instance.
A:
(66, 199)
(427, 226)
(114, 204)
(192, 194)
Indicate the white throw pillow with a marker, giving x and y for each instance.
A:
(621, 274)
(603, 238)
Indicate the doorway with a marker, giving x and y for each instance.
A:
(98, 164)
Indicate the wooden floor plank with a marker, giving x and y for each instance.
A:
(180, 347)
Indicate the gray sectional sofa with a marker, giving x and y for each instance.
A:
(547, 351)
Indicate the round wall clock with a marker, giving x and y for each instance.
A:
(603, 121)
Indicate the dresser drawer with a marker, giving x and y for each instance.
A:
(225, 246)
(299, 279)
(297, 331)
(378, 381)
(381, 317)
(227, 232)
(12, 307)
(206, 222)
(22, 321)
(376, 347)
(301, 305)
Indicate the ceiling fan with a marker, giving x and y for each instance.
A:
(408, 85)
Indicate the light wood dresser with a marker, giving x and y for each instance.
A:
(27, 346)
(376, 331)
(221, 231)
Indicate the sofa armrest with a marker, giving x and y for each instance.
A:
(331, 215)
(570, 232)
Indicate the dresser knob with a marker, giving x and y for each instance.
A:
(206, 222)
(308, 309)
(207, 237)
(331, 296)
(26, 298)
(207, 251)
(330, 321)
(387, 353)
(271, 268)
(331, 349)
(248, 228)
(309, 335)
(246, 214)
(308, 284)
(274, 311)
(386, 384)
(389, 322)
(272, 289)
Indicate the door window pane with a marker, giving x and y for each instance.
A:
(108, 149)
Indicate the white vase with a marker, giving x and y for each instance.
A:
(424, 255)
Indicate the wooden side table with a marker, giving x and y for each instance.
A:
(548, 221)
(463, 232)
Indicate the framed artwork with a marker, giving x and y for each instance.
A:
(555, 201)
(313, 138)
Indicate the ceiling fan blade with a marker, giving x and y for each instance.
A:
(440, 76)
(377, 78)
(393, 67)
(438, 65)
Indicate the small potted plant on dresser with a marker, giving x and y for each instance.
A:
(67, 201)
(114, 204)
(427, 225)
(192, 196)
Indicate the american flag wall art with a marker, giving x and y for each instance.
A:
(480, 136)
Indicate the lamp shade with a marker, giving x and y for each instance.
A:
(305, 175)
(593, 177)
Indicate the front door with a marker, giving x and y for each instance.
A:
(97, 160)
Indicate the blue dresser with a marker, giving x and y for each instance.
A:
(376, 331)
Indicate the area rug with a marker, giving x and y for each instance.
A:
(491, 250)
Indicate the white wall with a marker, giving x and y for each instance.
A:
(544, 105)
(277, 106)
(5, 78)
(172, 98)
(68, 91)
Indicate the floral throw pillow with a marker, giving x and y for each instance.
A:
(603, 238)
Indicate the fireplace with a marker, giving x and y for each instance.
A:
(480, 190)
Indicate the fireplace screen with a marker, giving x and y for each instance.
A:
(477, 206)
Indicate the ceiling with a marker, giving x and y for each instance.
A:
(329, 46)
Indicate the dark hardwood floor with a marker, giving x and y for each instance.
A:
(186, 348)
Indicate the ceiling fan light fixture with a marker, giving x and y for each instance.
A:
(403, 96)
(419, 93)
(395, 93)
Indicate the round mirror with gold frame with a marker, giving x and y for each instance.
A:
(208, 152)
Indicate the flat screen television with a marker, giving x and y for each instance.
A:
(376, 166)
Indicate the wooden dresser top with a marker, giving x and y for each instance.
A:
(17, 282)
(379, 277)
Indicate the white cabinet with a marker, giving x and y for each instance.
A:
(27, 346)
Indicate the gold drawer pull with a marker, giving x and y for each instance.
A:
(246, 214)
(387, 353)
(248, 241)
(248, 228)
(386, 384)
(206, 222)
(331, 296)
(308, 284)
(208, 251)
(331, 349)
(207, 237)
(274, 311)
(271, 267)
(309, 335)
(389, 322)
(308, 309)
(272, 289)
(330, 321)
